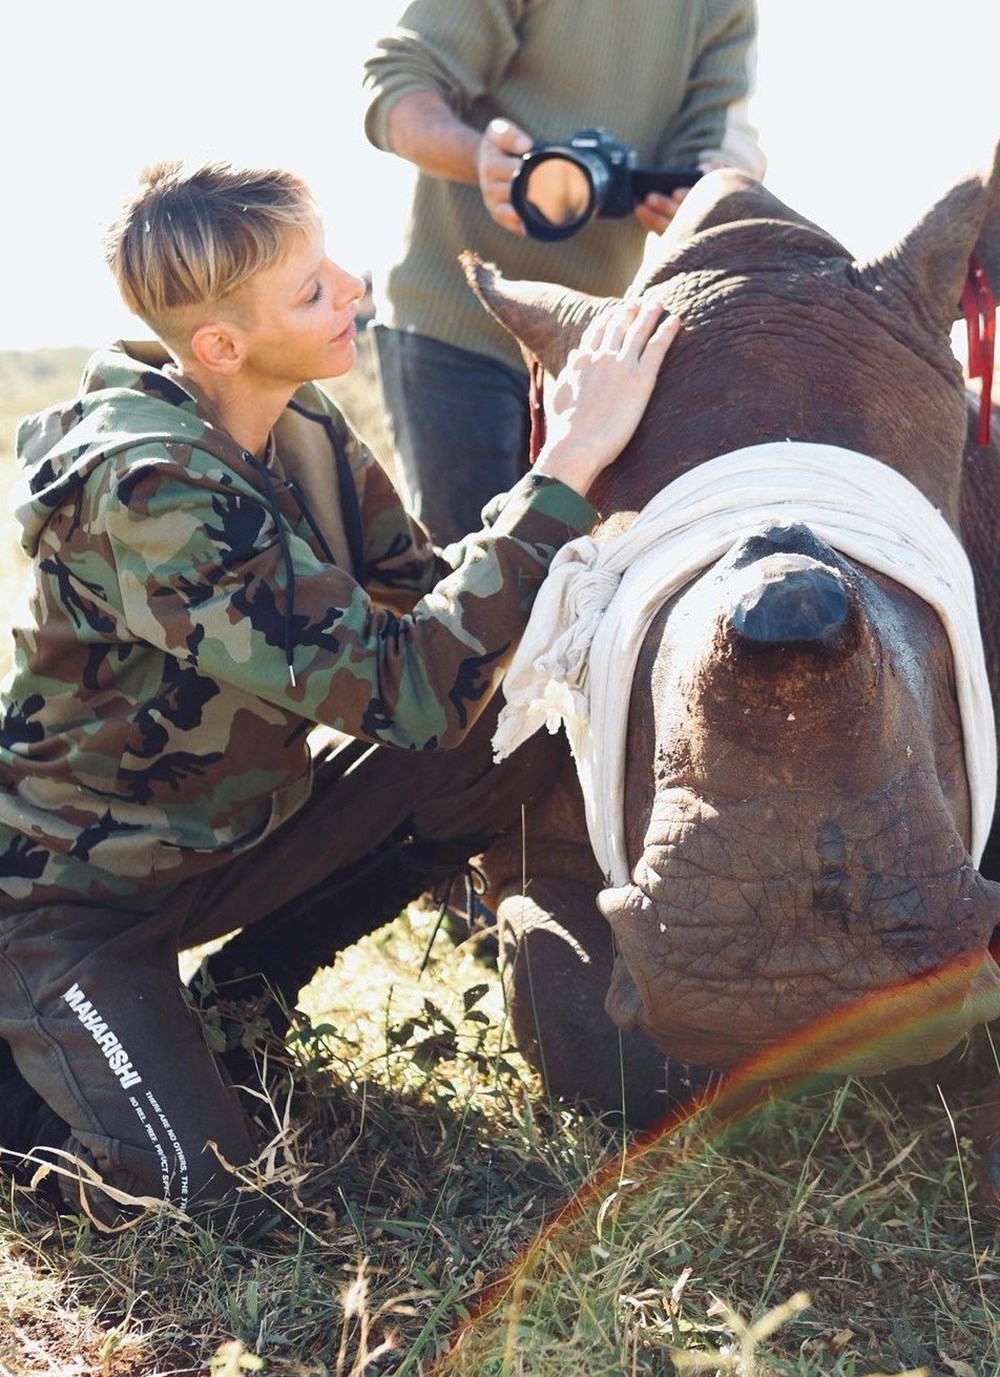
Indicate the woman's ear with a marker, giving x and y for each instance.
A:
(217, 345)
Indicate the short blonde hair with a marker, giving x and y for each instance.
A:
(191, 235)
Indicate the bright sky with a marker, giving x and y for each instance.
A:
(867, 110)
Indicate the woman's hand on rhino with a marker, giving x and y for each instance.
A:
(498, 158)
(597, 400)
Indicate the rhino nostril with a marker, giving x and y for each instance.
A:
(803, 602)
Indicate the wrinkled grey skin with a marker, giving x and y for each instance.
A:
(797, 811)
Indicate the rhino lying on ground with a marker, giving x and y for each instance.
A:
(803, 823)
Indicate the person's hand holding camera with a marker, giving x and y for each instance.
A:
(499, 156)
(656, 210)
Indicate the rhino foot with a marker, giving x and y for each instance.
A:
(986, 1142)
(557, 956)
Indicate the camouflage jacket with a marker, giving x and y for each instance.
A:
(189, 620)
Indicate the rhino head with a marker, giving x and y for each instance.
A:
(798, 818)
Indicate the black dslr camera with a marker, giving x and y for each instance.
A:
(560, 186)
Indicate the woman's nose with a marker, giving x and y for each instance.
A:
(347, 287)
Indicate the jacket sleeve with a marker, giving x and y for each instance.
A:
(456, 50)
(206, 575)
(713, 127)
(401, 563)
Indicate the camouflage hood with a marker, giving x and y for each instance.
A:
(125, 401)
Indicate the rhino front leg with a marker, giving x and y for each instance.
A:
(557, 955)
(986, 1141)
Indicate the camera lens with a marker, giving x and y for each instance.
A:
(556, 190)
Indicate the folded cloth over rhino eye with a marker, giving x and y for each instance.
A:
(575, 663)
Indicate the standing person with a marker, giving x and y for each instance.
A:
(219, 564)
(462, 90)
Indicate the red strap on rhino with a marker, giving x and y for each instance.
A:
(536, 409)
(979, 306)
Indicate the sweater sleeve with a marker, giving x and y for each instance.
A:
(457, 50)
(713, 126)
(206, 575)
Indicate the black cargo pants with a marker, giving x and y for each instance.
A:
(93, 1009)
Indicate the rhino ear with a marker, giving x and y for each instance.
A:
(545, 319)
(931, 262)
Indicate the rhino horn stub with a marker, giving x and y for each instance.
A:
(930, 263)
(547, 320)
(794, 600)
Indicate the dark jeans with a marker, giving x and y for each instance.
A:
(91, 1003)
(458, 423)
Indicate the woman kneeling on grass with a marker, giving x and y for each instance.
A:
(219, 565)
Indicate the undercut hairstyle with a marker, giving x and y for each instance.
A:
(190, 236)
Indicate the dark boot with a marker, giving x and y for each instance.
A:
(26, 1121)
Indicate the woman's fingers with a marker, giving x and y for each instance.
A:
(629, 326)
(651, 322)
(650, 337)
(618, 324)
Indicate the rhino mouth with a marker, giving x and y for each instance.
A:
(840, 964)
(899, 1025)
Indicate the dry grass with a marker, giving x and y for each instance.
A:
(441, 1217)
(445, 1219)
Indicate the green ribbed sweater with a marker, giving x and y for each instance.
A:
(668, 77)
